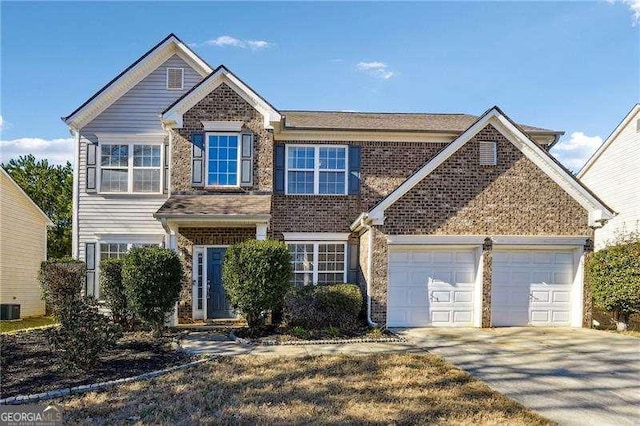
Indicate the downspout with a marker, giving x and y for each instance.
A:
(368, 227)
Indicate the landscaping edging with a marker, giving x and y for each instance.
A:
(24, 330)
(248, 342)
(76, 390)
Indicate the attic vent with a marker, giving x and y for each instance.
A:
(638, 125)
(488, 154)
(175, 78)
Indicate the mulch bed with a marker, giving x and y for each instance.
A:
(28, 365)
(281, 334)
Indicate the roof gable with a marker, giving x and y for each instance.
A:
(21, 191)
(172, 116)
(623, 124)
(132, 75)
(598, 211)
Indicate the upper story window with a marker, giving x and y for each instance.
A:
(130, 168)
(175, 78)
(222, 159)
(316, 169)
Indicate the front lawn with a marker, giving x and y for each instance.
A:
(29, 366)
(26, 323)
(391, 388)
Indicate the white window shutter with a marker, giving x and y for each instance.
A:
(488, 153)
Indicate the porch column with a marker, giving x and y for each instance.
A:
(261, 231)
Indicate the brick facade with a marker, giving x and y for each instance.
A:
(187, 238)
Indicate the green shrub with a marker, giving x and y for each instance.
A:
(113, 293)
(61, 281)
(613, 274)
(152, 278)
(323, 306)
(84, 334)
(256, 277)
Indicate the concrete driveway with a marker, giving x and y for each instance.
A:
(571, 376)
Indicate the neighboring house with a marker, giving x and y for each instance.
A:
(23, 247)
(613, 172)
(442, 219)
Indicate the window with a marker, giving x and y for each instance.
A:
(314, 263)
(175, 78)
(488, 154)
(122, 172)
(222, 160)
(316, 170)
(113, 250)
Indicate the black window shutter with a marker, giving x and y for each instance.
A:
(197, 159)
(278, 170)
(352, 258)
(90, 261)
(354, 170)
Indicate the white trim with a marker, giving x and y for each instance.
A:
(316, 236)
(115, 90)
(529, 148)
(173, 117)
(223, 126)
(459, 240)
(623, 124)
(33, 204)
(478, 286)
(195, 312)
(238, 159)
(75, 239)
(316, 168)
(130, 167)
(577, 289)
(502, 240)
(181, 78)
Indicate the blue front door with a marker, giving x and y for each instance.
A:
(217, 304)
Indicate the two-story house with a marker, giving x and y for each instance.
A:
(442, 219)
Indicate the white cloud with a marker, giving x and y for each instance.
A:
(230, 41)
(57, 151)
(575, 151)
(634, 7)
(376, 69)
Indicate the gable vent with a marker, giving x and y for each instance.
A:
(638, 125)
(175, 78)
(488, 154)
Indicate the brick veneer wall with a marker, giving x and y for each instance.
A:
(187, 238)
(222, 104)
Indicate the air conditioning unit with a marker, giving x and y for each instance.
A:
(9, 311)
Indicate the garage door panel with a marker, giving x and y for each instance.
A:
(440, 296)
(441, 277)
(532, 287)
(442, 257)
(463, 296)
(462, 317)
(408, 296)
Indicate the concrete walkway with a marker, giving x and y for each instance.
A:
(571, 376)
(210, 343)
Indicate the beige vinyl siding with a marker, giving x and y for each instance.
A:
(23, 246)
(615, 177)
(138, 110)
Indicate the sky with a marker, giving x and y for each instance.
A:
(570, 66)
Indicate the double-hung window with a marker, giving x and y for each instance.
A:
(222, 159)
(132, 168)
(318, 262)
(119, 250)
(316, 169)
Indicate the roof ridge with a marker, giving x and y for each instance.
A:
(378, 112)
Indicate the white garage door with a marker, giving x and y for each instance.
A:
(532, 287)
(430, 287)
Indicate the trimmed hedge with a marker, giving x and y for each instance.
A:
(322, 306)
(152, 278)
(113, 292)
(256, 276)
(61, 281)
(613, 274)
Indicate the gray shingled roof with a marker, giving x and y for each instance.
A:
(386, 121)
(215, 205)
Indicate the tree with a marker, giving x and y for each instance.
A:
(614, 276)
(51, 188)
(256, 276)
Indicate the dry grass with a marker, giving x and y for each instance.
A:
(388, 388)
(25, 324)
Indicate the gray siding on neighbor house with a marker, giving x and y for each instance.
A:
(138, 110)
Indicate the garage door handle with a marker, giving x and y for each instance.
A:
(531, 297)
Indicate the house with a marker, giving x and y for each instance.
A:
(613, 173)
(442, 219)
(23, 247)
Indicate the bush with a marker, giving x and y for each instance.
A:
(256, 277)
(152, 278)
(613, 274)
(113, 293)
(322, 306)
(61, 281)
(84, 334)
